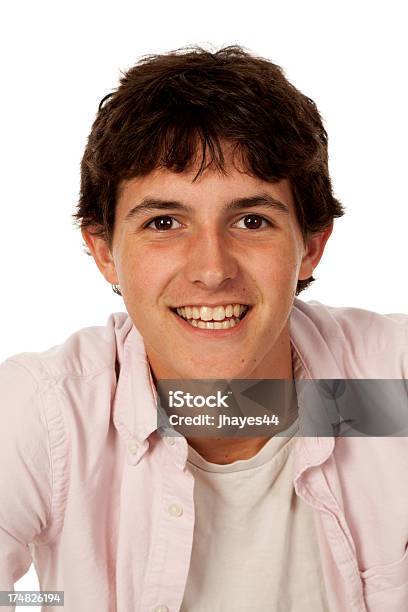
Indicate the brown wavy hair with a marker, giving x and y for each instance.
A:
(170, 106)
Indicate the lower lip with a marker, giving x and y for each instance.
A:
(214, 333)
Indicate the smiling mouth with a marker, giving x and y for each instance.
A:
(219, 317)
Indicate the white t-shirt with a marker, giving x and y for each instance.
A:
(255, 546)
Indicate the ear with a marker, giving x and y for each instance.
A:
(102, 255)
(315, 245)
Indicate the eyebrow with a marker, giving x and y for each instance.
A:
(157, 204)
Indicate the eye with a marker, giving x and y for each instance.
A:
(254, 222)
(161, 223)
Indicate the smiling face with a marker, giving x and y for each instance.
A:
(181, 250)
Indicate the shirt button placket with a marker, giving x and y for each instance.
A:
(133, 447)
(175, 510)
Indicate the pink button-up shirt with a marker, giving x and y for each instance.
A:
(103, 503)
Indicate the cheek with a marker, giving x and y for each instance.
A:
(142, 275)
(133, 269)
(279, 271)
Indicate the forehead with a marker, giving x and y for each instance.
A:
(211, 190)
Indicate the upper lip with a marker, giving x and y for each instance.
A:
(220, 303)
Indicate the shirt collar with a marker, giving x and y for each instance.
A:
(313, 360)
(134, 404)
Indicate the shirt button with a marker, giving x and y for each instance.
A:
(161, 609)
(175, 510)
(133, 447)
(171, 441)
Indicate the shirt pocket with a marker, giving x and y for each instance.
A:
(386, 586)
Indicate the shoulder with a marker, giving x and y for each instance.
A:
(35, 390)
(349, 323)
(364, 343)
(25, 477)
(85, 352)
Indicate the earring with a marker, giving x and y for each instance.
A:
(116, 289)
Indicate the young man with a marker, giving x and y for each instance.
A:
(206, 202)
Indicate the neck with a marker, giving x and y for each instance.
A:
(226, 450)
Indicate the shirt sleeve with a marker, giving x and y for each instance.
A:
(25, 472)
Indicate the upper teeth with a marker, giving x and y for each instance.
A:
(206, 313)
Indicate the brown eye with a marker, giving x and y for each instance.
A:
(254, 222)
(162, 223)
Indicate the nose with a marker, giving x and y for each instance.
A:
(210, 262)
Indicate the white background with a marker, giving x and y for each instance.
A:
(59, 59)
